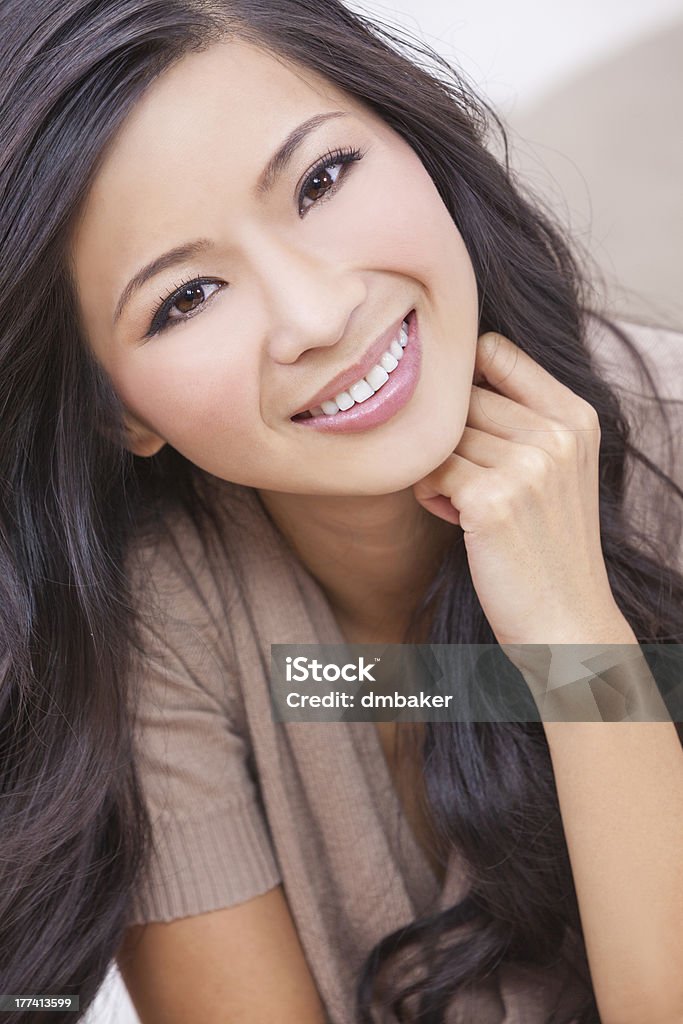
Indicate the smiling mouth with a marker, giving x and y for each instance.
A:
(368, 385)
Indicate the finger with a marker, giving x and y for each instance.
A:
(441, 491)
(514, 373)
(485, 449)
(496, 414)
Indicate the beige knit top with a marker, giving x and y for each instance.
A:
(241, 803)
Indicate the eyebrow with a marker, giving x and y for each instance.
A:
(273, 169)
(286, 151)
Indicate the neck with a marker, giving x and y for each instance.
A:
(372, 555)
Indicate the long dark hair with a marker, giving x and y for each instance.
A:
(75, 831)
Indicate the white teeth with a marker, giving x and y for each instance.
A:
(376, 377)
(368, 385)
(403, 337)
(361, 390)
(343, 400)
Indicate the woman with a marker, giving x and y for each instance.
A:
(170, 511)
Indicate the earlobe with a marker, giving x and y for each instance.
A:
(147, 447)
(140, 440)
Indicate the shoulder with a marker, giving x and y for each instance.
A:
(181, 592)
(168, 572)
(184, 558)
(190, 573)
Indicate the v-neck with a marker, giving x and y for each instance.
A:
(365, 737)
(367, 741)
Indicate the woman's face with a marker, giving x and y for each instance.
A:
(297, 281)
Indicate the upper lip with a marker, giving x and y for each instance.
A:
(357, 370)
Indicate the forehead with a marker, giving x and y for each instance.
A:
(223, 100)
(204, 126)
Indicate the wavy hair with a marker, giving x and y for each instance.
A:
(74, 826)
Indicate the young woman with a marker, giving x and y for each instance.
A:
(218, 215)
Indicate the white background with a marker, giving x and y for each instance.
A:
(517, 51)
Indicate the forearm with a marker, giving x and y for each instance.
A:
(620, 787)
(618, 766)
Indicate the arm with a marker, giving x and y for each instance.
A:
(620, 789)
(240, 965)
(210, 937)
(524, 486)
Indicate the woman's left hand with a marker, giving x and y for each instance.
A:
(523, 486)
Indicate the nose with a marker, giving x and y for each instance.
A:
(309, 299)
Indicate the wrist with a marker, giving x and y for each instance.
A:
(588, 682)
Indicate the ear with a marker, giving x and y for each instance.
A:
(140, 439)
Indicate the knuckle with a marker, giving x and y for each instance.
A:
(490, 341)
(490, 344)
(495, 500)
(563, 443)
(588, 417)
(533, 462)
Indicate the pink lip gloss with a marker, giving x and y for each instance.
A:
(386, 402)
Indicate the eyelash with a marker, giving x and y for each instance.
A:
(333, 158)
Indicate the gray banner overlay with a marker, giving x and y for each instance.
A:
(476, 682)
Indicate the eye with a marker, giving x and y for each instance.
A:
(321, 182)
(185, 298)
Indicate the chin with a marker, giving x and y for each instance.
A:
(400, 478)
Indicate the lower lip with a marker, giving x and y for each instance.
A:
(385, 403)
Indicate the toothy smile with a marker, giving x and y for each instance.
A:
(365, 386)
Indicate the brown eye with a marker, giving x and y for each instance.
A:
(323, 180)
(320, 182)
(185, 301)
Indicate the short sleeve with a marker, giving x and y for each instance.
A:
(211, 843)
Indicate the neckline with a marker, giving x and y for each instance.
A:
(415, 863)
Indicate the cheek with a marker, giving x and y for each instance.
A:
(404, 225)
(406, 228)
(182, 389)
